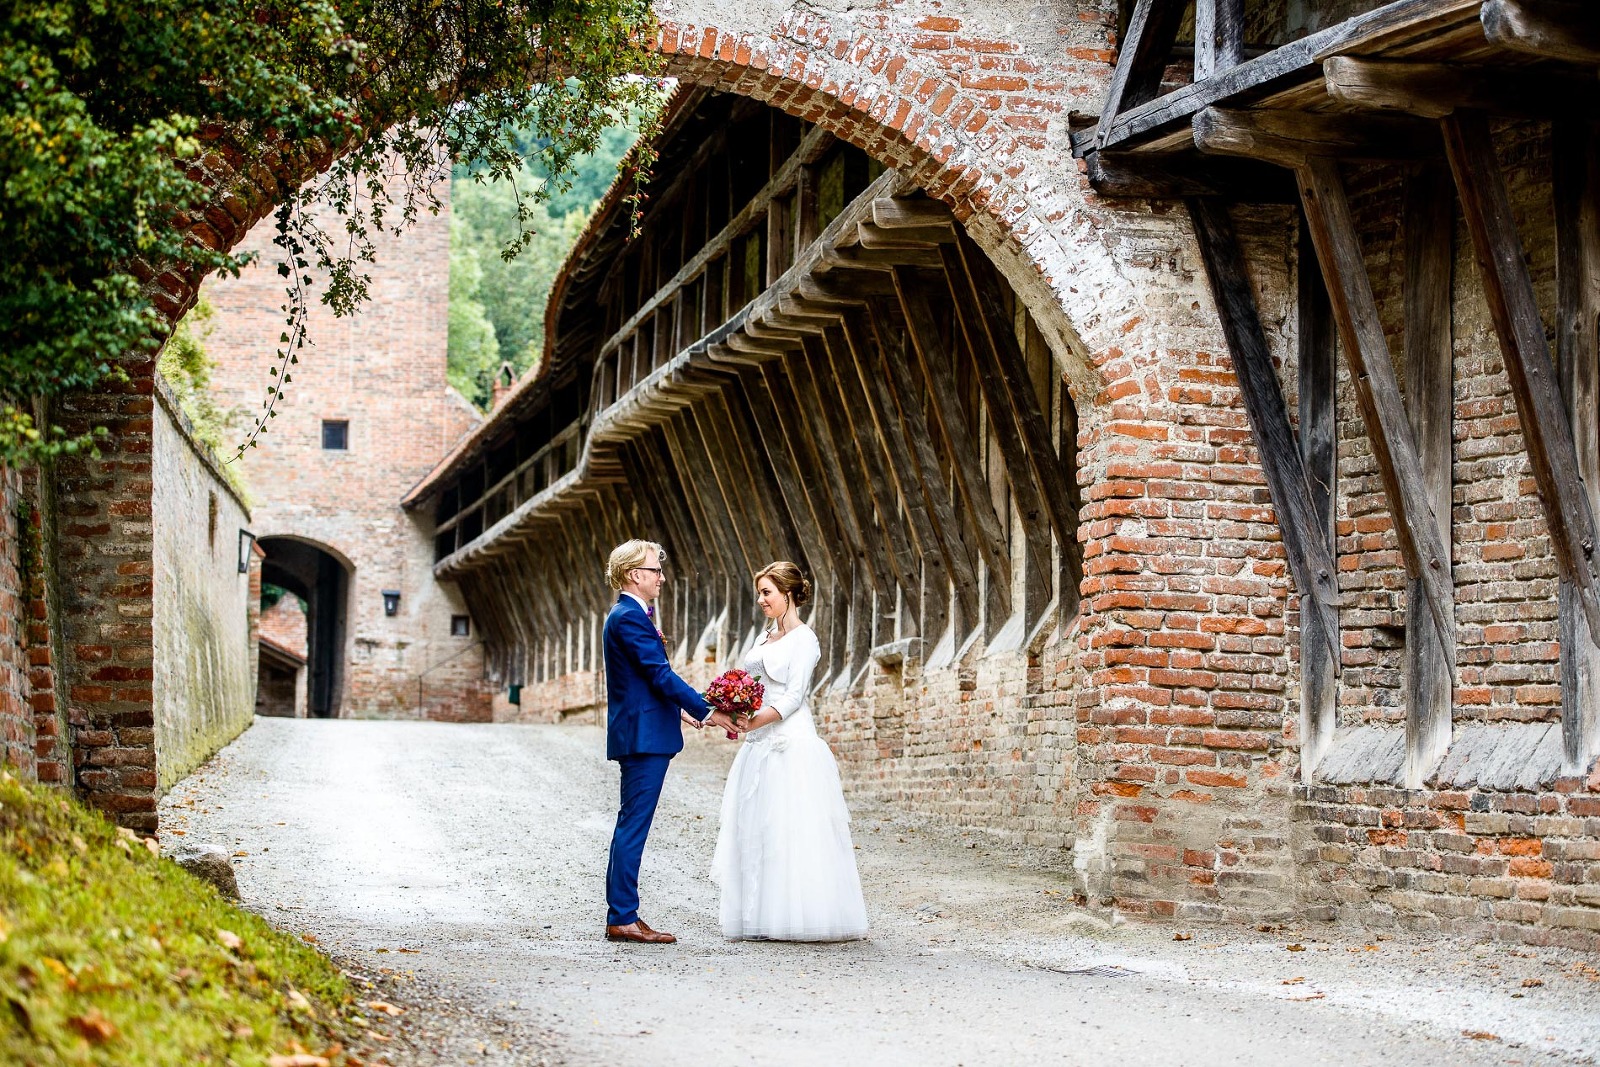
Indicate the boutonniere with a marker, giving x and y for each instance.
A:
(661, 635)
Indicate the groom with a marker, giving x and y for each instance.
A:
(645, 703)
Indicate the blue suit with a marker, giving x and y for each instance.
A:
(643, 733)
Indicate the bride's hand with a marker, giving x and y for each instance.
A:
(691, 720)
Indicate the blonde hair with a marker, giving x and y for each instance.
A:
(630, 556)
(787, 577)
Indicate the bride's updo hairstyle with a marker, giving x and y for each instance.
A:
(790, 582)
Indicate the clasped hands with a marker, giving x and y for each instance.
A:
(732, 724)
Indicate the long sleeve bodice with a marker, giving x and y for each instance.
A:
(786, 668)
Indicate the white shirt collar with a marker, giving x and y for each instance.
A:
(639, 599)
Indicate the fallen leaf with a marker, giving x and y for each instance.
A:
(1309, 996)
(1480, 1035)
(1530, 983)
(94, 1026)
(297, 1059)
(310, 939)
(385, 1007)
(178, 833)
(297, 1000)
(1182, 937)
(1295, 948)
(229, 940)
(56, 966)
(241, 853)
(1293, 981)
(411, 951)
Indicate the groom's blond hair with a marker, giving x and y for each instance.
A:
(628, 556)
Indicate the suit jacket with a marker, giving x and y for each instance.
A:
(643, 693)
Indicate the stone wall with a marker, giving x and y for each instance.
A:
(382, 371)
(204, 685)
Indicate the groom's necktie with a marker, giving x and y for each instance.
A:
(650, 611)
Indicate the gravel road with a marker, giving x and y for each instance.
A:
(465, 864)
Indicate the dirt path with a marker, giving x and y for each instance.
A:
(469, 861)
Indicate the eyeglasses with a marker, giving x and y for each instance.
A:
(657, 570)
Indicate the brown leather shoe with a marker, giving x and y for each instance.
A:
(638, 933)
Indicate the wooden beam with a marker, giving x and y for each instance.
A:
(1179, 175)
(1434, 90)
(1575, 163)
(813, 525)
(837, 455)
(979, 334)
(852, 416)
(1000, 346)
(1366, 349)
(1304, 538)
(1141, 59)
(909, 394)
(1553, 29)
(894, 213)
(1288, 138)
(938, 372)
(1317, 354)
(1546, 430)
(853, 346)
(1427, 218)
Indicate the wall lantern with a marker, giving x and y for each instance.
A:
(391, 601)
(247, 542)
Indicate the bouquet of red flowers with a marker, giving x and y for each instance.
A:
(735, 693)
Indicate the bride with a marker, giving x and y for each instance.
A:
(784, 858)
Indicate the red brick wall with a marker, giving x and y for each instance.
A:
(105, 551)
(383, 370)
(16, 692)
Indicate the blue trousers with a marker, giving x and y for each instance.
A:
(641, 789)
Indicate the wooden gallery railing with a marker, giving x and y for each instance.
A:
(890, 508)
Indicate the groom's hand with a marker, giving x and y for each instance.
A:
(727, 722)
(691, 720)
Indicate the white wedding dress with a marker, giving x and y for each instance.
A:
(784, 859)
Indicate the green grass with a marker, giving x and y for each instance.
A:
(109, 955)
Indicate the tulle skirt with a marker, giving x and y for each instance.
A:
(784, 858)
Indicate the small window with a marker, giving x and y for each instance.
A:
(335, 434)
(460, 626)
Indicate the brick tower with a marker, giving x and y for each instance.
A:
(368, 414)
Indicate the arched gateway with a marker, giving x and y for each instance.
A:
(925, 281)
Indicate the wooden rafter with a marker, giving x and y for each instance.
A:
(1575, 163)
(1546, 430)
(1304, 540)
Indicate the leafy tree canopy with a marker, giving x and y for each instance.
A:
(106, 106)
(497, 302)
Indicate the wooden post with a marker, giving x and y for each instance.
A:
(851, 415)
(1428, 218)
(975, 330)
(1218, 36)
(909, 394)
(999, 343)
(1377, 390)
(938, 374)
(1318, 352)
(1552, 455)
(1304, 537)
(852, 344)
(836, 464)
(1575, 149)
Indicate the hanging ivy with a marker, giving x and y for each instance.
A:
(105, 107)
